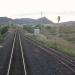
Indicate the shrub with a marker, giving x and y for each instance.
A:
(3, 30)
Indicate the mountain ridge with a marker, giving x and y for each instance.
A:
(43, 20)
(30, 21)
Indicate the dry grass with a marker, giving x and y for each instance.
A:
(55, 42)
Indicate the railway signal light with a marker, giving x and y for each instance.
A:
(58, 19)
(57, 31)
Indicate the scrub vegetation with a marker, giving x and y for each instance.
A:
(65, 42)
(3, 31)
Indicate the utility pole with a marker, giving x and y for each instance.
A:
(58, 19)
(57, 31)
(41, 13)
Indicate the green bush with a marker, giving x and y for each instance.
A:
(28, 28)
(3, 30)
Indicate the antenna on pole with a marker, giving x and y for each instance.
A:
(41, 14)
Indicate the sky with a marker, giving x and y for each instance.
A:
(33, 8)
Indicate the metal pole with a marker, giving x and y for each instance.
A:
(58, 26)
(57, 31)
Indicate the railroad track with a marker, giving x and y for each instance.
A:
(17, 64)
(64, 59)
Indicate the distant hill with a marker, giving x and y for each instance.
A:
(30, 21)
(69, 23)
(5, 20)
(24, 21)
(42, 20)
